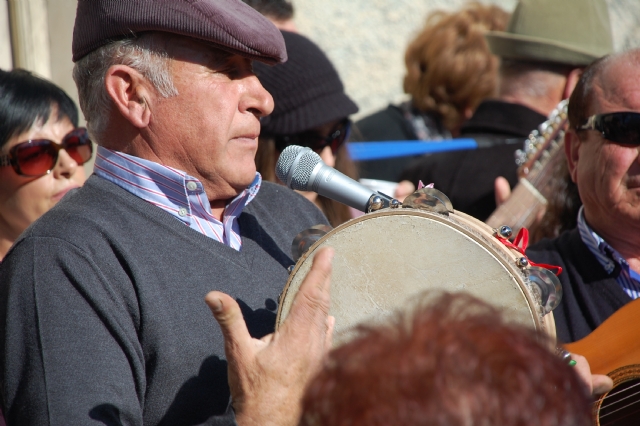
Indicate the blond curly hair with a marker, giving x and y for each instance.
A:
(449, 66)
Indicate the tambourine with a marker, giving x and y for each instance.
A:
(385, 259)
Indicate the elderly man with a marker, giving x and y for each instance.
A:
(601, 257)
(103, 320)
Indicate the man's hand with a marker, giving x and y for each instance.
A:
(502, 190)
(268, 377)
(596, 383)
(403, 190)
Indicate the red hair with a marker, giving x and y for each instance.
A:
(453, 362)
(449, 65)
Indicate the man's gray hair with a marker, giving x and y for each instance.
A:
(143, 53)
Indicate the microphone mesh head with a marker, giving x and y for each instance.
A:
(307, 160)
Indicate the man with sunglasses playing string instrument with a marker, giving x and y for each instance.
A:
(601, 257)
(102, 313)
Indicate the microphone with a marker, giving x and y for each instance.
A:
(302, 169)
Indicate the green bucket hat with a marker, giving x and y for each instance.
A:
(571, 32)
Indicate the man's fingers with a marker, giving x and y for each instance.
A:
(229, 316)
(310, 306)
(404, 189)
(601, 384)
(596, 383)
(583, 370)
(502, 189)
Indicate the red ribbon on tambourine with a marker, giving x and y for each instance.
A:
(520, 245)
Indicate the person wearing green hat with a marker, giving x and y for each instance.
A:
(542, 54)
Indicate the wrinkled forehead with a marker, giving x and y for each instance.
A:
(617, 88)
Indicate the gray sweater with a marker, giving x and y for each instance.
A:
(102, 312)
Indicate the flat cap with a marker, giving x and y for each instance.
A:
(229, 24)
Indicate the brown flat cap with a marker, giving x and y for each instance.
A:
(230, 24)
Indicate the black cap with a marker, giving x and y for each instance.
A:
(306, 90)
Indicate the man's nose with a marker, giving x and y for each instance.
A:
(257, 100)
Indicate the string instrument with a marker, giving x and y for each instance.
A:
(542, 152)
(614, 349)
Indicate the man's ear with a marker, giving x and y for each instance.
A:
(572, 151)
(572, 81)
(130, 94)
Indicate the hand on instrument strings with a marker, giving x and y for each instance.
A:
(502, 190)
(596, 383)
(268, 376)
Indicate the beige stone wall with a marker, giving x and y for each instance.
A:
(366, 39)
(30, 36)
(5, 37)
(61, 17)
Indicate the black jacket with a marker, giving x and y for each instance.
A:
(467, 177)
(590, 295)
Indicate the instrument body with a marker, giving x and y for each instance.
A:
(614, 349)
(384, 260)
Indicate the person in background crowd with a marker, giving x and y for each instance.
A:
(102, 299)
(453, 361)
(312, 110)
(280, 12)
(41, 151)
(450, 70)
(601, 256)
(541, 60)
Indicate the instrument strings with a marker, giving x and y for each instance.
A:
(620, 391)
(603, 406)
(615, 422)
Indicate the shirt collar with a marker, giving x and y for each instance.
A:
(607, 256)
(163, 185)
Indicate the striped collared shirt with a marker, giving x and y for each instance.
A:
(609, 258)
(175, 192)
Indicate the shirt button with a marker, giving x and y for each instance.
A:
(182, 212)
(192, 186)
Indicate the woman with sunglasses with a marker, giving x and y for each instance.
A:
(41, 151)
(311, 110)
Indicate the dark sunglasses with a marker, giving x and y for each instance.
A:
(618, 127)
(38, 157)
(314, 140)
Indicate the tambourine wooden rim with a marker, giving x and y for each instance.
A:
(467, 225)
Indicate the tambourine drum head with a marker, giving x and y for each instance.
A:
(385, 260)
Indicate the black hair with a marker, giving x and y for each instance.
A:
(280, 10)
(26, 100)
